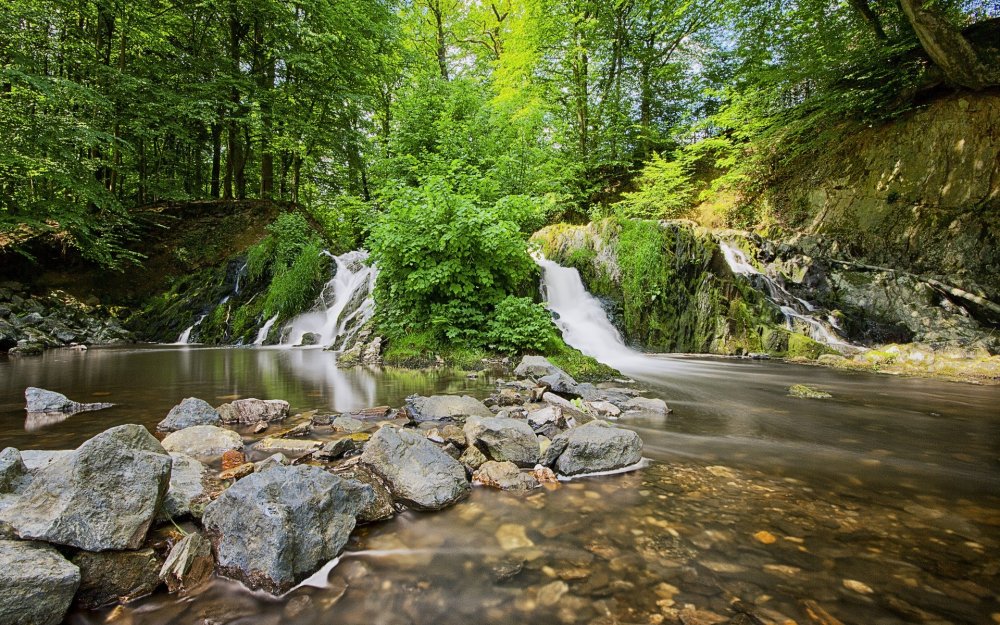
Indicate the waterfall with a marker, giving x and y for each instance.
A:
(344, 305)
(793, 308)
(264, 330)
(239, 274)
(185, 337)
(582, 320)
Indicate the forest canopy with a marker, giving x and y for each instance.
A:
(577, 108)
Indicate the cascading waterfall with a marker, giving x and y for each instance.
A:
(582, 320)
(264, 330)
(185, 337)
(344, 305)
(794, 309)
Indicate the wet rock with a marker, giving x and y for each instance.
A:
(11, 468)
(858, 587)
(604, 409)
(348, 424)
(189, 564)
(237, 473)
(445, 408)
(116, 576)
(309, 338)
(550, 415)
(536, 367)
(288, 445)
(503, 439)
(203, 441)
(504, 476)
(418, 473)
(512, 536)
(37, 584)
(263, 425)
(551, 593)
(273, 529)
(103, 496)
(232, 459)
(335, 449)
(647, 405)
(560, 383)
(253, 410)
(185, 489)
(381, 507)
(807, 392)
(191, 411)
(472, 458)
(594, 447)
(41, 400)
(274, 460)
(299, 430)
(544, 475)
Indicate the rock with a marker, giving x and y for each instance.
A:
(594, 447)
(186, 488)
(309, 338)
(275, 528)
(504, 476)
(858, 587)
(509, 397)
(503, 439)
(203, 441)
(253, 410)
(38, 458)
(101, 497)
(274, 460)
(445, 407)
(11, 468)
(647, 405)
(381, 507)
(560, 383)
(189, 564)
(551, 593)
(232, 459)
(512, 536)
(37, 584)
(237, 473)
(372, 354)
(335, 449)
(544, 475)
(472, 458)
(191, 411)
(807, 392)
(536, 367)
(287, 445)
(448, 434)
(261, 427)
(41, 400)
(555, 400)
(542, 417)
(418, 473)
(116, 576)
(348, 424)
(604, 409)
(588, 392)
(377, 412)
(299, 430)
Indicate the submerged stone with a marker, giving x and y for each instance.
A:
(807, 392)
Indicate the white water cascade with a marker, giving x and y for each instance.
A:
(264, 330)
(793, 308)
(344, 305)
(582, 320)
(185, 337)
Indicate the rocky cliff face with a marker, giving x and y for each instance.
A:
(921, 194)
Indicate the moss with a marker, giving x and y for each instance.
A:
(807, 392)
(801, 346)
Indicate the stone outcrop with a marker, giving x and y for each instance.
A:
(37, 584)
(191, 411)
(419, 474)
(252, 410)
(273, 529)
(41, 400)
(103, 496)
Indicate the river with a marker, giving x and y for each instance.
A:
(878, 506)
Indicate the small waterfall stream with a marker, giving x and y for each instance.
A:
(344, 305)
(822, 328)
(185, 336)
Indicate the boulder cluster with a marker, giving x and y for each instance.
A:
(126, 513)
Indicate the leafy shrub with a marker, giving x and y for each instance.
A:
(518, 324)
(293, 289)
(445, 262)
(666, 190)
(346, 221)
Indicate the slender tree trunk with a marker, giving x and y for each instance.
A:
(870, 17)
(216, 158)
(265, 68)
(440, 38)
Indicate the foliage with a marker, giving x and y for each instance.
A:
(291, 257)
(518, 325)
(345, 220)
(665, 191)
(445, 262)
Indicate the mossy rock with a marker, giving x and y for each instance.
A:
(803, 347)
(807, 392)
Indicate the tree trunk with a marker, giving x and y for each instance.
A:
(870, 18)
(264, 66)
(440, 38)
(949, 49)
(216, 157)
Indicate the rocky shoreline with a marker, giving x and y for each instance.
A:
(250, 493)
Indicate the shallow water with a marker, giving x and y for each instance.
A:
(878, 506)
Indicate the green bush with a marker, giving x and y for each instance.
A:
(666, 190)
(346, 221)
(293, 289)
(518, 324)
(445, 263)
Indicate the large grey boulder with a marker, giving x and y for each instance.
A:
(417, 471)
(503, 439)
(253, 410)
(191, 411)
(186, 488)
(37, 584)
(103, 496)
(273, 529)
(11, 468)
(203, 441)
(536, 367)
(593, 447)
(41, 400)
(445, 408)
(113, 576)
